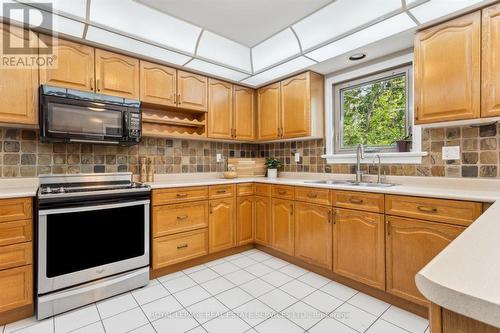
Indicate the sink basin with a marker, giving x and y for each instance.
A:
(349, 183)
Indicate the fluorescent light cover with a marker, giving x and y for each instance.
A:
(67, 26)
(340, 17)
(284, 69)
(129, 44)
(376, 32)
(437, 8)
(138, 20)
(77, 8)
(223, 50)
(277, 48)
(216, 70)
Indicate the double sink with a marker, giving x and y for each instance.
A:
(349, 183)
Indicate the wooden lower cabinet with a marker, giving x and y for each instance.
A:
(262, 220)
(313, 234)
(359, 253)
(244, 220)
(221, 225)
(171, 219)
(169, 250)
(282, 226)
(410, 245)
(17, 287)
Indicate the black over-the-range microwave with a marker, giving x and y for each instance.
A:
(68, 115)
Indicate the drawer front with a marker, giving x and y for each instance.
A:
(221, 191)
(15, 232)
(283, 192)
(171, 219)
(17, 288)
(15, 209)
(262, 189)
(370, 202)
(245, 189)
(439, 210)
(313, 195)
(181, 194)
(173, 249)
(16, 255)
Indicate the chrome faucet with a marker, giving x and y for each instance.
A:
(360, 154)
(379, 180)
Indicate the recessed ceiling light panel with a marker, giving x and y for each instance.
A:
(216, 70)
(277, 48)
(225, 51)
(77, 8)
(437, 8)
(279, 71)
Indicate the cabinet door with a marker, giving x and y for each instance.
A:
(192, 91)
(491, 62)
(116, 74)
(313, 234)
(158, 84)
(411, 244)
(18, 86)
(17, 288)
(359, 251)
(268, 112)
(282, 226)
(221, 225)
(75, 66)
(262, 220)
(447, 71)
(244, 220)
(296, 106)
(220, 109)
(243, 113)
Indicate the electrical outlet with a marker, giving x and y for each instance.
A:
(451, 153)
(219, 157)
(297, 157)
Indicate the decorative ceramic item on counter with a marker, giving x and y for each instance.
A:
(143, 170)
(272, 167)
(151, 170)
(230, 173)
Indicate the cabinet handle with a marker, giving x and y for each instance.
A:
(330, 217)
(182, 195)
(92, 83)
(173, 96)
(388, 228)
(182, 246)
(427, 209)
(98, 82)
(221, 191)
(312, 195)
(356, 201)
(211, 208)
(281, 192)
(291, 209)
(182, 217)
(179, 99)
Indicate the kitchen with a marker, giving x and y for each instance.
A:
(332, 169)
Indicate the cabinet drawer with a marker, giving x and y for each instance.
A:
(283, 192)
(171, 219)
(370, 202)
(313, 195)
(245, 189)
(16, 255)
(169, 250)
(439, 210)
(221, 191)
(262, 189)
(15, 209)
(182, 194)
(15, 232)
(17, 287)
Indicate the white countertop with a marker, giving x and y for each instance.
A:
(18, 187)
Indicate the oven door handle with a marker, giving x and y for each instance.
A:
(91, 208)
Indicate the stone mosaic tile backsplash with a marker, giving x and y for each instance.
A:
(23, 155)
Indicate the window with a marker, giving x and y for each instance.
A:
(373, 111)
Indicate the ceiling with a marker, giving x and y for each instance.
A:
(252, 42)
(243, 21)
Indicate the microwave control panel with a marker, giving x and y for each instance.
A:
(134, 128)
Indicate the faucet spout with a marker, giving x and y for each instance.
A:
(360, 154)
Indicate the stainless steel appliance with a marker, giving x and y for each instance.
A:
(68, 115)
(92, 239)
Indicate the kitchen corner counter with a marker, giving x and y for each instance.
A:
(18, 187)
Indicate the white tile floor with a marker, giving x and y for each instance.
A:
(247, 292)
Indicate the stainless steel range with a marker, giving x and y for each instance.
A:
(92, 239)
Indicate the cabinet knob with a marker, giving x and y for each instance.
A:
(182, 246)
(182, 217)
(356, 201)
(427, 209)
(181, 195)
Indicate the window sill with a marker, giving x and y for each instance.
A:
(385, 158)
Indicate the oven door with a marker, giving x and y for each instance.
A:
(82, 244)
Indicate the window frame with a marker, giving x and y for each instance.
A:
(405, 69)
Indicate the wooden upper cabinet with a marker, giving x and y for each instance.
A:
(243, 113)
(359, 250)
(262, 220)
(192, 91)
(19, 86)
(282, 226)
(158, 84)
(220, 109)
(295, 106)
(313, 234)
(490, 93)
(244, 220)
(75, 66)
(116, 74)
(448, 71)
(410, 245)
(268, 112)
(221, 225)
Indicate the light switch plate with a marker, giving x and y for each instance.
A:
(219, 157)
(451, 153)
(297, 157)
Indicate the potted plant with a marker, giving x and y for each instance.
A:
(404, 144)
(272, 167)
